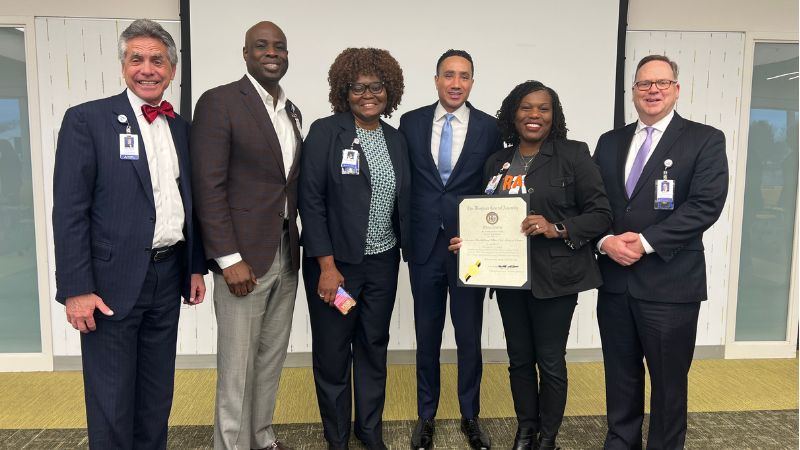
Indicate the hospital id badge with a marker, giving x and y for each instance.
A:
(665, 194)
(492, 186)
(350, 162)
(129, 146)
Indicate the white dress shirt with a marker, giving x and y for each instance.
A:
(162, 161)
(282, 122)
(459, 123)
(639, 137)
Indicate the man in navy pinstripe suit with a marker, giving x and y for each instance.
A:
(126, 248)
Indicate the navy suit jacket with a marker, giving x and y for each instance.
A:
(334, 208)
(103, 207)
(434, 204)
(676, 271)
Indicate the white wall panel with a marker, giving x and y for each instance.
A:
(710, 75)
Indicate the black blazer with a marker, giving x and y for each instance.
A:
(676, 272)
(334, 208)
(565, 187)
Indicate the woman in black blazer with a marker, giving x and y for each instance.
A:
(354, 205)
(569, 208)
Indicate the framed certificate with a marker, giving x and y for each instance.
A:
(494, 253)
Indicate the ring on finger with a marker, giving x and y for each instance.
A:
(536, 226)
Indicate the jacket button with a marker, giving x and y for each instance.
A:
(152, 219)
(628, 209)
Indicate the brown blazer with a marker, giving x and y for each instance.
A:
(238, 179)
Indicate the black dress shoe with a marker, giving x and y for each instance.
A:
(422, 436)
(377, 446)
(548, 443)
(478, 440)
(525, 440)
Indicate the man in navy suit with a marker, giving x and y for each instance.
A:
(652, 261)
(125, 244)
(448, 144)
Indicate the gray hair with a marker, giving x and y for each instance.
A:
(151, 29)
(661, 58)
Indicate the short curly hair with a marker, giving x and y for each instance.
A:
(507, 111)
(352, 63)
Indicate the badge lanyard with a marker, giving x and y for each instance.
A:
(492, 186)
(128, 142)
(350, 158)
(665, 190)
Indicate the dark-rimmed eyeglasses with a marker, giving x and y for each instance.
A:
(645, 85)
(361, 88)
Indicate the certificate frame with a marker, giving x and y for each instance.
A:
(494, 253)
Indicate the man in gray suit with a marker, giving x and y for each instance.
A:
(245, 150)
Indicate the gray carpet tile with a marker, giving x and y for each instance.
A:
(718, 430)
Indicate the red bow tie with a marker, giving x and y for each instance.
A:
(151, 112)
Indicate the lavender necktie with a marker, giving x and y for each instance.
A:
(638, 163)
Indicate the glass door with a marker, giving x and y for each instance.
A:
(20, 330)
(770, 197)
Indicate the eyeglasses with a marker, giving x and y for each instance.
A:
(361, 88)
(644, 85)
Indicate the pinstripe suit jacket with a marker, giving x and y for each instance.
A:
(103, 207)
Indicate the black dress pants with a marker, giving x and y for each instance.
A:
(536, 337)
(663, 334)
(129, 365)
(361, 337)
(430, 283)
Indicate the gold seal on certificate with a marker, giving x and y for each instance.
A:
(494, 253)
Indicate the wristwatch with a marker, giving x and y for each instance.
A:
(560, 229)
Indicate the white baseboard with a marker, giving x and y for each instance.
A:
(448, 356)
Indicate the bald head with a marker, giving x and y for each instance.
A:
(261, 26)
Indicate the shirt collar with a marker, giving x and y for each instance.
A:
(266, 97)
(136, 103)
(661, 125)
(462, 113)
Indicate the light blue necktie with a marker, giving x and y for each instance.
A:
(638, 163)
(446, 148)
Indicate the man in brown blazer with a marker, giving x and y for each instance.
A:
(245, 148)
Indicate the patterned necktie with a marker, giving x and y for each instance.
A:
(638, 163)
(151, 112)
(446, 148)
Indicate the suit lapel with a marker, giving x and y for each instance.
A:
(297, 121)
(542, 158)
(474, 132)
(257, 109)
(395, 150)
(122, 106)
(346, 137)
(656, 160)
(427, 125)
(623, 148)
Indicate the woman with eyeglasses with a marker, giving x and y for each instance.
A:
(568, 209)
(354, 206)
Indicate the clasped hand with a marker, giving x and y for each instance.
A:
(625, 249)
